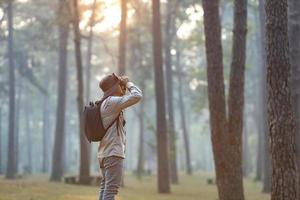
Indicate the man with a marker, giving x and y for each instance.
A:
(111, 151)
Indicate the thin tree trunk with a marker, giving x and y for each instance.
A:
(84, 169)
(280, 114)
(141, 156)
(294, 41)
(89, 53)
(267, 160)
(46, 135)
(11, 162)
(260, 121)
(259, 158)
(168, 63)
(27, 112)
(122, 38)
(59, 140)
(1, 152)
(161, 123)
(183, 118)
(46, 126)
(17, 122)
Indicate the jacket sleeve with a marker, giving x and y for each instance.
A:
(134, 96)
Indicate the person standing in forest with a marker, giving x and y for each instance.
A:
(111, 151)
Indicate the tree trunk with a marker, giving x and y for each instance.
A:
(11, 162)
(161, 124)
(141, 157)
(236, 97)
(183, 118)
(46, 134)
(1, 152)
(27, 113)
(226, 133)
(89, 53)
(246, 158)
(260, 120)
(59, 140)
(294, 41)
(169, 32)
(122, 38)
(280, 114)
(263, 102)
(19, 89)
(46, 126)
(84, 170)
(216, 92)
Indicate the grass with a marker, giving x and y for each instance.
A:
(190, 188)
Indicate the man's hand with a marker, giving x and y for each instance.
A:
(124, 80)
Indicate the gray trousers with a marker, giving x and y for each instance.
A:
(111, 169)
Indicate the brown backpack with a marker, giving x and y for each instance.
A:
(93, 125)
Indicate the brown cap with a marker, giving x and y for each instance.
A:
(109, 84)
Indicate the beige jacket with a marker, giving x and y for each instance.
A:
(114, 143)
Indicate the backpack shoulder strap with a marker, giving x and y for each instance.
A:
(101, 101)
(112, 122)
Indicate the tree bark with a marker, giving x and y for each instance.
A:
(294, 41)
(161, 124)
(226, 134)
(11, 162)
(59, 140)
(122, 38)
(84, 169)
(169, 32)
(280, 114)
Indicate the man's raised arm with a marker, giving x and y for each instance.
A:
(133, 97)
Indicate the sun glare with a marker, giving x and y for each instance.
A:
(110, 10)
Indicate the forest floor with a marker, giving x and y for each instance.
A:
(190, 188)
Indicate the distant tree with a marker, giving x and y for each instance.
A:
(19, 91)
(59, 140)
(11, 160)
(1, 152)
(139, 59)
(161, 123)
(226, 128)
(90, 50)
(285, 182)
(169, 35)
(182, 113)
(46, 125)
(122, 38)
(28, 131)
(258, 118)
(263, 127)
(84, 169)
(294, 41)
